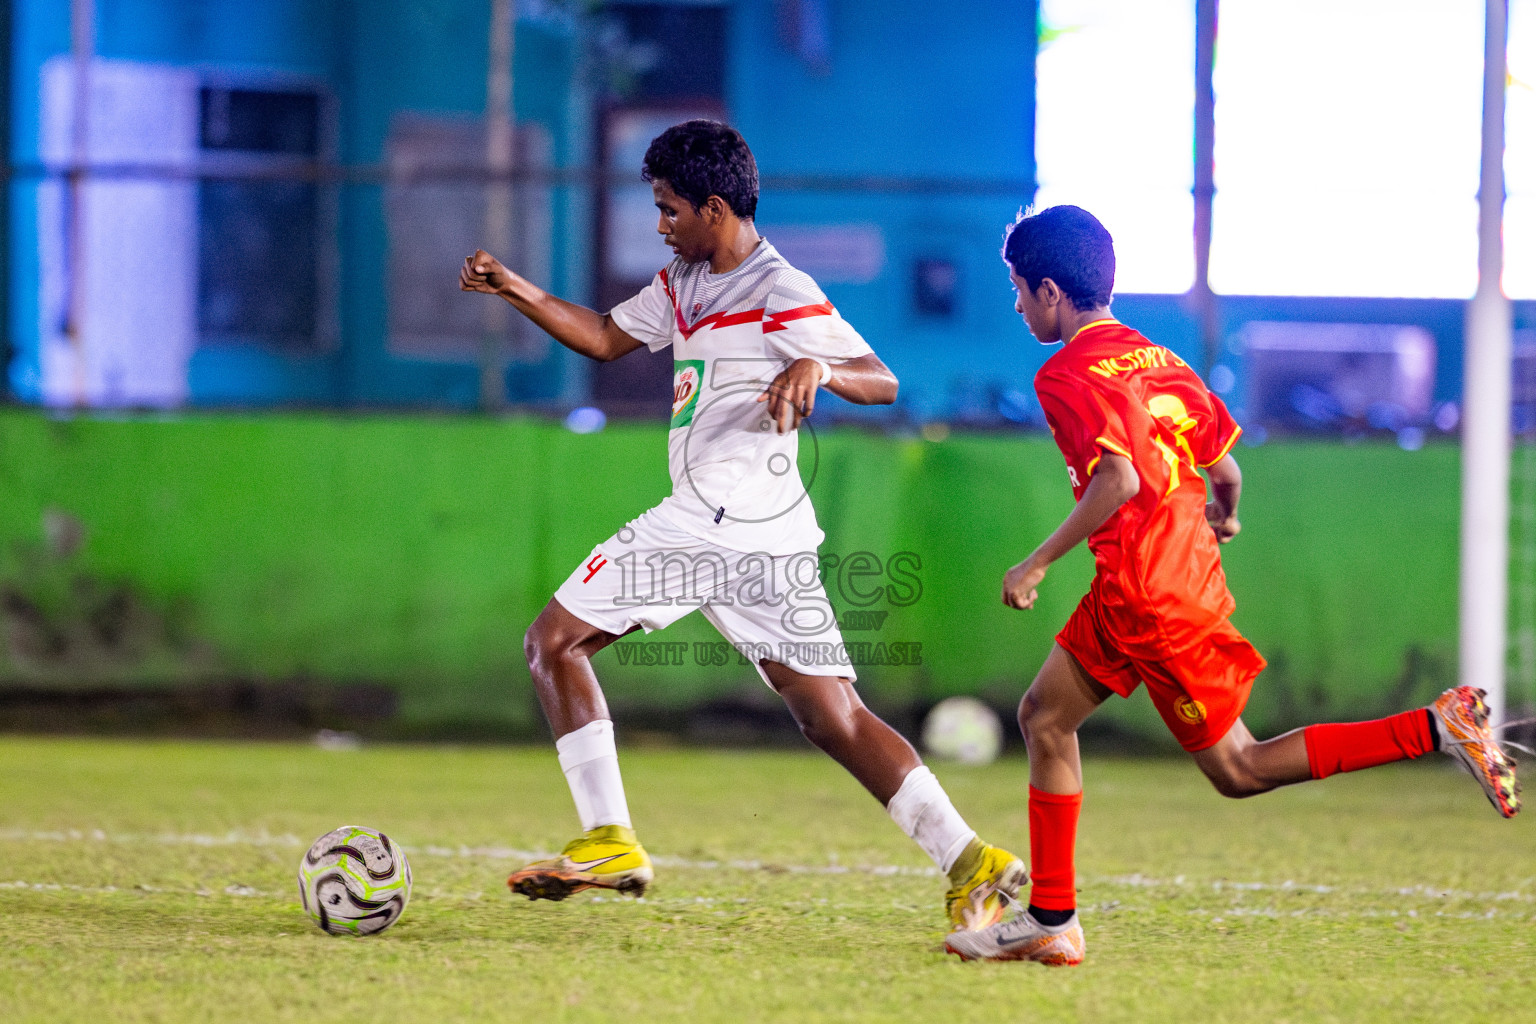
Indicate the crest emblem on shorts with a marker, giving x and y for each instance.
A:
(1191, 711)
(687, 379)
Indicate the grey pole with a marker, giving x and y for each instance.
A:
(82, 41)
(499, 140)
(1202, 299)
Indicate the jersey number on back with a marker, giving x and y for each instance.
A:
(1169, 413)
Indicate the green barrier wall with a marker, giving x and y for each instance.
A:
(414, 552)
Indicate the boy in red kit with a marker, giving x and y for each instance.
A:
(1136, 426)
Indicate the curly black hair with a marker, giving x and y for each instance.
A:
(699, 159)
(1068, 245)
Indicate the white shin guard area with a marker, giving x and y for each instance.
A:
(922, 809)
(591, 765)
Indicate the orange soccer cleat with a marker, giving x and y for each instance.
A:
(1462, 718)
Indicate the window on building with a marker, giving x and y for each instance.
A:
(265, 235)
(1122, 74)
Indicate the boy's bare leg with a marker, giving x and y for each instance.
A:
(1059, 700)
(1455, 724)
(1239, 765)
(831, 715)
(559, 647)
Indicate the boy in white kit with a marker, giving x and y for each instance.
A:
(753, 339)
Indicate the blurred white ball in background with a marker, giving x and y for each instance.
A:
(963, 729)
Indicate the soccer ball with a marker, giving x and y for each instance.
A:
(963, 729)
(354, 881)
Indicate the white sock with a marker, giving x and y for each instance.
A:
(922, 809)
(591, 765)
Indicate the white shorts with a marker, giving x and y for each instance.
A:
(770, 607)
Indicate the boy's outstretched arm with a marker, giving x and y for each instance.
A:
(1115, 481)
(579, 329)
(1226, 486)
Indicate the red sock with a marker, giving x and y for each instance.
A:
(1350, 746)
(1052, 843)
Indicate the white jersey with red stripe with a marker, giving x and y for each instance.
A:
(735, 479)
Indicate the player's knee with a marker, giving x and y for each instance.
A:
(1029, 711)
(532, 639)
(1039, 725)
(828, 731)
(827, 728)
(1235, 780)
(542, 644)
(1236, 788)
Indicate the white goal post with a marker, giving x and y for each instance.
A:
(1486, 400)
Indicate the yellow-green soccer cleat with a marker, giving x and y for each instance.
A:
(981, 880)
(1462, 718)
(608, 857)
(1022, 938)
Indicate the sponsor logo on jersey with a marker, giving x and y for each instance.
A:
(595, 563)
(1191, 711)
(687, 380)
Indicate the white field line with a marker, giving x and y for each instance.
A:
(228, 890)
(506, 853)
(238, 838)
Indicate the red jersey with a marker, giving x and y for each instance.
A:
(1159, 581)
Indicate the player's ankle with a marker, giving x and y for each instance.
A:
(612, 833)
(1051, 918)
(969, 860)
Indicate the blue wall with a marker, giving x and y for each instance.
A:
(958, 107)
(910, 93)
(907, 93)
(376, 59)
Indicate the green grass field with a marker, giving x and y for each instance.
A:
(153, 881)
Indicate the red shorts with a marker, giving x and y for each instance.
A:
(1200, 691)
